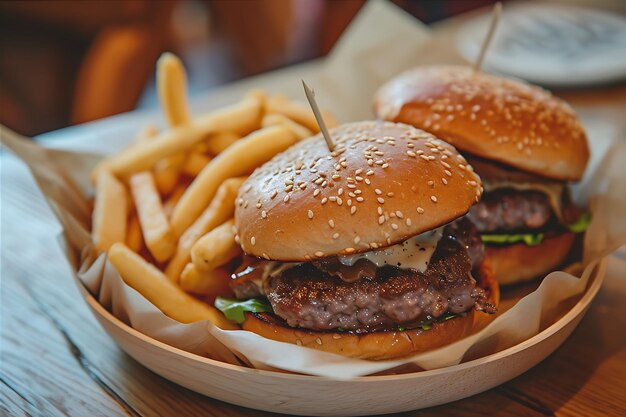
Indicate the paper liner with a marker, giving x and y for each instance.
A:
(63, 178)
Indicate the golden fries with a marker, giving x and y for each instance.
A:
(194, 163)
(298, 112)
(110, 211)
(156, 230)
(218, 142)
(216, 248)
(278, 119)
(221, 209)
(152, 284)
(134, 239)
(208, 283)
(240, 158)
(172, 89)
(244, 115)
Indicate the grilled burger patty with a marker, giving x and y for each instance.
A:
(510, 210)
(381, 298)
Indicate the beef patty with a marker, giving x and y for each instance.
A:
(511, 210)
(307, 296)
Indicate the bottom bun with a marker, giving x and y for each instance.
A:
(519, 262)
(386, 344)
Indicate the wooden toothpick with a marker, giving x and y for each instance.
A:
(310, 95)
(495, 17)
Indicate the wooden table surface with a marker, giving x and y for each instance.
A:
(56, 360)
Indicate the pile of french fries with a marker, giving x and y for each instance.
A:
(164, 205)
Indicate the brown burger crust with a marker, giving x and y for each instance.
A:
(518, 262)
(493, 117)
(385, 182)
(380, 345)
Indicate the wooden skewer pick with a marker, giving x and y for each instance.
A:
(310, 96)
(495, 18)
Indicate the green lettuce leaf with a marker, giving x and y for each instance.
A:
(531, 239)
(234, 309)
(581, 224)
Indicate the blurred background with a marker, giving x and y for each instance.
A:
(68, 62)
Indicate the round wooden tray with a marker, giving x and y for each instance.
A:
(312, 395)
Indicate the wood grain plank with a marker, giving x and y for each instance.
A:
(36, 364)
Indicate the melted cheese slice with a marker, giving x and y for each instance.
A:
(553, 190)
(413, 253)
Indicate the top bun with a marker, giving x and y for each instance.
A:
(383, 183)
(496, 118)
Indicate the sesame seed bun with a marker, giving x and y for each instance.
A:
(384, 183)
(380, 345)
(516, 263)
(493, 117)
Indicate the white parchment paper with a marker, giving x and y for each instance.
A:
(382, 42)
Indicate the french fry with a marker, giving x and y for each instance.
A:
(172, 89)
(166, 176)
(110, 211)
(216, 248)
(298, 112)
(155, 228)
(168, 206)
(194, 163)
(218, 142)
(238, 159)
(208, 283)
(134, 238)
(221, 209)
(169, 298)
(278, 119)
(242, 116)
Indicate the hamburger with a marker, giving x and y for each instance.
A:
(525, 144)
(359, 251)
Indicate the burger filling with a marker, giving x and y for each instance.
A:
(521, 207)
(421, 280)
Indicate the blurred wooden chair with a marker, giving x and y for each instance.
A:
(123, 41)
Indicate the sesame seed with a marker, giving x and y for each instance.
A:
(310, 214)
(411, 154)
(331, 223)
(258, 205)
(377, 191)
(394, 226)
(390, 194)
(357, 240)
(336, 235)
(349, 250)
(381, 219)
(274, 194)
(433, 198)
(316, 192)
(286, 198)
(324, 200)
(264, 214)
(319, 254)
(448, 173)
(370, 172)
(408, 221)
(253, 240)
(353, 210)
(360, 199)
(380, 210)
(385, 165)
(367, 181)
(339, 201)
(340, 191)
(381, 200)
(399, 214)
(431, 183)
(444, 181)
(420, 210)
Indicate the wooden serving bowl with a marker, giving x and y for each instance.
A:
(313, 395)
